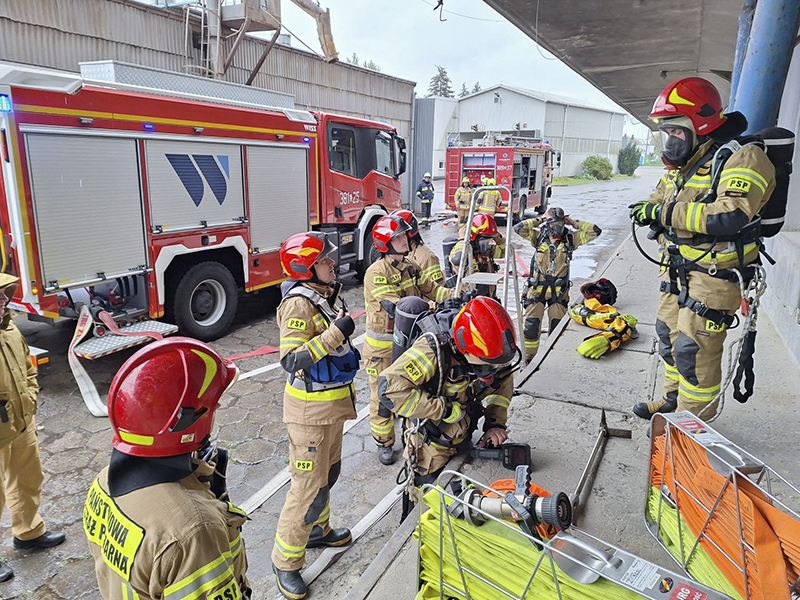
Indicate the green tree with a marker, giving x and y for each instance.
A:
(464, 91)
(372, 66)
(629, 159)
(353, 60)
(440, 84)
(596, 167)
(476, 87)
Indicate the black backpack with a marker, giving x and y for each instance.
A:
(778, 143)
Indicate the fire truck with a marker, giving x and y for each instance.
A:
(525, 165)
(146, 203)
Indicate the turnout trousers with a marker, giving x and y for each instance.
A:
(315, 455)
(381, 420)
(691, 346)
(21, 485)
(534, 313)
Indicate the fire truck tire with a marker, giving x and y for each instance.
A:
(205, 301)
(520, 214)
(542, 208)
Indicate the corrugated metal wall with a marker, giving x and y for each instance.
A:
(423, 144)
(61, 33)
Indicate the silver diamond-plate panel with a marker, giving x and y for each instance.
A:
(111, 343)
(157, 79)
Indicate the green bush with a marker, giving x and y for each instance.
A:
(629, 159)
(597, 167)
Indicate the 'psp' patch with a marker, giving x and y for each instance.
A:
(296, 324)
(380, 279)
(395, 277)
(413, 370)
(437, 276)
(304, 465)
(371, 371)
(713, 327)
(739, 184)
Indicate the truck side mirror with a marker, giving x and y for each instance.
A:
(400, 155)
(558, 159)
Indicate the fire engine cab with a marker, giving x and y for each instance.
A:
(524, 165)
(140, 202)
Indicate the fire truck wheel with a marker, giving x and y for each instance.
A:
(523, 206)
(205, 301)
(542, 208)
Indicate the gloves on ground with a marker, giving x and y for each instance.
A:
(346, 325)
(630, 320)
(594, 347)
(644, 212)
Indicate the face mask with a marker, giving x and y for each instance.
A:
(483, 246)
(677, 151)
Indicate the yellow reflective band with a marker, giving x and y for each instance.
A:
(747, 174)
(236, 546)
(324, 516)
(410, 404)
(702, 394)
(382, 429)
(377, 343)
(321, 396)
(451, 388)
(133, 438)
(693, 216)
(292, 341)
(211, 370)
(315, 345)
(675, 98)
(497, 401)
(318, 319)
(287, 550)
(441, 293)
(111, 530)
(721, 257)
(531, 343)
(427, 365)
(204, 579)
(671, 372)
(296, 324)
(232, 508)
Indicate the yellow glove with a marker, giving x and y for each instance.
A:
(453, 412)
(594, 347)
(630, 320)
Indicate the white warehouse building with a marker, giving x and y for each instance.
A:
(576, 129)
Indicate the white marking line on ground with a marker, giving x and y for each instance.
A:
(276, 483)
(273, 366)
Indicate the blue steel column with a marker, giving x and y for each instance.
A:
(766, 62)
(745, 24)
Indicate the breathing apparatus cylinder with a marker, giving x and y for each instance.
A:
(406, 312)
(448, 244)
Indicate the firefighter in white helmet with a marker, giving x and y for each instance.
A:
(425, 195)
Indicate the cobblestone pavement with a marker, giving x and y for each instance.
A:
(75, 445)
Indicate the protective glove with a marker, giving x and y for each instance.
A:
(518, 227)
(453, 412)
(346, 325)
(630, 320)
(594, 347)
(644, 212)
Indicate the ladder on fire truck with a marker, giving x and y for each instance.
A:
(509, 273)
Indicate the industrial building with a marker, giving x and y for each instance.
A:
(578, 130)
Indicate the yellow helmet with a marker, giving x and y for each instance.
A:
(491, 181)
(465, 180)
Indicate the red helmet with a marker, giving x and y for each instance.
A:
(301, 251)
(484, 330)
(409, 218)
(482, 225)
(162, 400)
(386, 229)
(691, 97)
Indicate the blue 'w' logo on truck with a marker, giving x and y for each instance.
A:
(211, 167)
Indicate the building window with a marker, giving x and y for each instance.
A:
(441, 164)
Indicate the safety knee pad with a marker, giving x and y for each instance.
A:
(333, 474)
(317, 506)
(532, 329)
(685, 351)
(664, 341)
(553, 324)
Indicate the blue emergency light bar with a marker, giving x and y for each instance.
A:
(306, 139)
(5, 103)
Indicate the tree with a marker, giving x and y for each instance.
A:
(476, 87)
(353, 60)
(596, 167)
(372, 66)
(628, 158)
(464, 91)
(440, 84)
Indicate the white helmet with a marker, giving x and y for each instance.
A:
(426, 175)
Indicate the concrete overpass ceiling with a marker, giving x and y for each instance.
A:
(630, 49)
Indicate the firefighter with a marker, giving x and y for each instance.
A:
(425, 195)
(487, 246)
(20, 466)
(462, 199)
(419, 253)
(318, 398)
(705, 242)
(548, 284)
(157, 518)
(450, 380)
(387, 280)
(489, 200)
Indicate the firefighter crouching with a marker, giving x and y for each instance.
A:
(489, 200)
(707, 233)
(20, 465)
(158, 519)
(419, 253)
(451, 378)
(425, 195)
(548, 284)
(487, 246)
(388, 279)
(462, 199)
(318, 398)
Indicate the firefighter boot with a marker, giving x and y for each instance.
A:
(46, 540)
(291, 584)
(386, 455)
(5, 572)
(335, 538)
(645, 410)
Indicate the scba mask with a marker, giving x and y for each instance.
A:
(678, 140)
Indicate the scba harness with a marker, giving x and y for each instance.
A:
(558, 286)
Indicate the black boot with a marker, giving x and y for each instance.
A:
(46, 540)
(290, 584)
(645, 410)
(335, 538)
(5, 572)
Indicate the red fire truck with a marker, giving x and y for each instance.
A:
(524, 165)
(147, 204)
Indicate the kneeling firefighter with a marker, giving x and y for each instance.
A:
(548, 285)
(486, 245)
(319, 397)
(705, 215)
(419, 253)
(158, 519)
(458, 370)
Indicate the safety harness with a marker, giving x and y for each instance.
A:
(547, 280)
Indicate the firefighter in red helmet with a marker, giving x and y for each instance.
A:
(487, 247)
(418, 251)
(318, 398)
(391, 277)
(161, 406)
(704, 219)
(450, 384)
